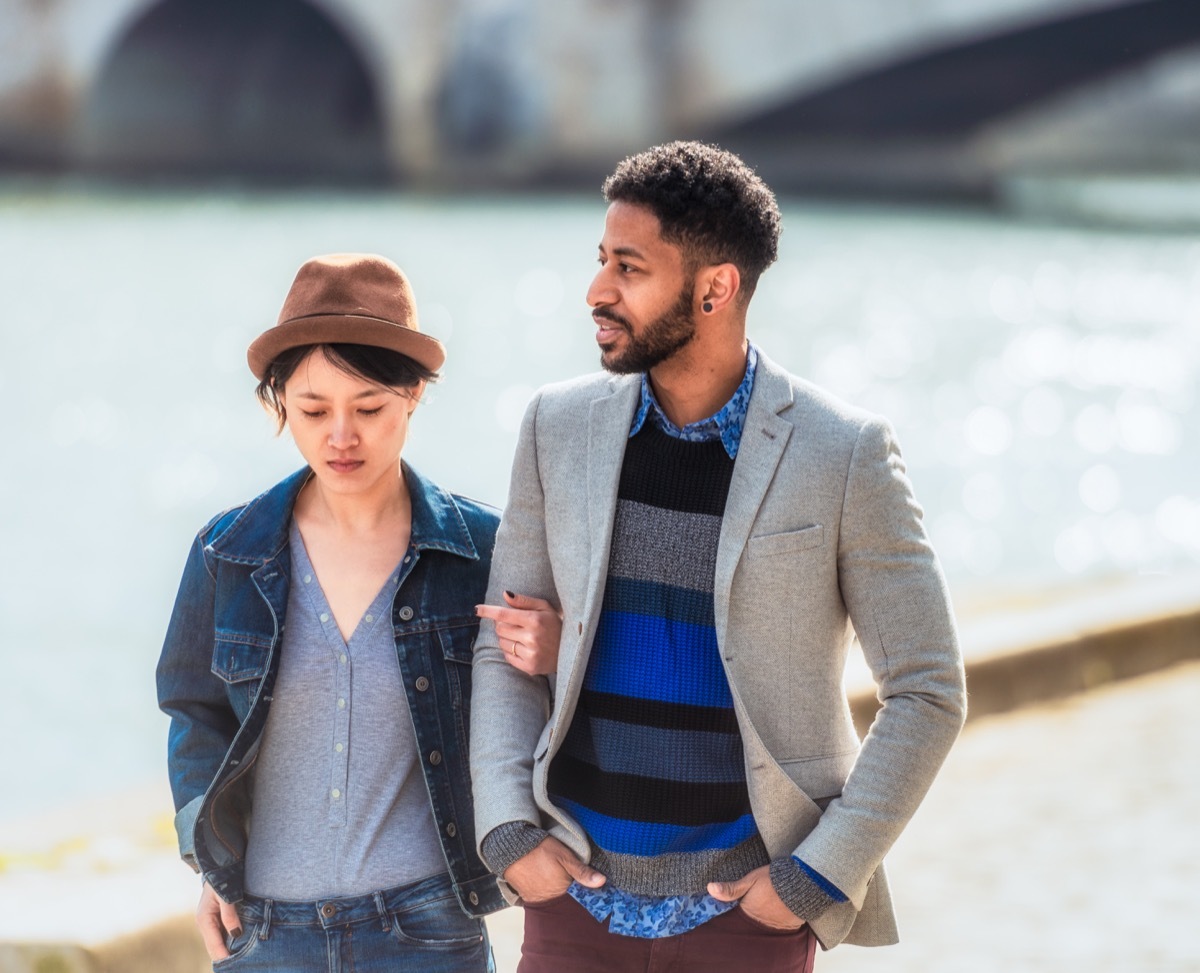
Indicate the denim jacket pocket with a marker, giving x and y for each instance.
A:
(457, 639)
(239, 656)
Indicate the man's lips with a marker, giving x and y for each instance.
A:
(608, 326)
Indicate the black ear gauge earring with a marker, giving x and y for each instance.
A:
(707, 306)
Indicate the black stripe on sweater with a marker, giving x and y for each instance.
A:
(662, 471)
(631, 798)
(655, 713)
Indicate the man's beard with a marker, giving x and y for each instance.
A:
(661, 338)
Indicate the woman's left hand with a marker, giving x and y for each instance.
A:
(528, 631)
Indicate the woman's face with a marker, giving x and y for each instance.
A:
(350, 431)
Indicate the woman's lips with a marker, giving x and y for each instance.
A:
(344, 465)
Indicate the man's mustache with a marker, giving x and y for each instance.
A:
(602, 313)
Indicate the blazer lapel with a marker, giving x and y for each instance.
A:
(764, 438)
(609, 418)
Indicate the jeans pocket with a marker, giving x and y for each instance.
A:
(239, 946)
(436, 923)
(765, 928)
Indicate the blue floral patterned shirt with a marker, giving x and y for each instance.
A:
(649, 916)
(726, 425)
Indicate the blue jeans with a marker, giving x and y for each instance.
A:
(417, 928)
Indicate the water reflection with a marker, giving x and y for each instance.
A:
(1041, 380)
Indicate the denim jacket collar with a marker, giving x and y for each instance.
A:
(260, 530)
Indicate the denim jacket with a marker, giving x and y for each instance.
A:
(221, 656)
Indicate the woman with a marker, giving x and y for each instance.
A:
(317, 664)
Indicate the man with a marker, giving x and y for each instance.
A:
(711, 528)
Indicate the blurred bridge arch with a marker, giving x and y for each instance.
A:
(274, 88)
(454, 91)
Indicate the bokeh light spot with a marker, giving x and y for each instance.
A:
(988, 430)
(1100, 488)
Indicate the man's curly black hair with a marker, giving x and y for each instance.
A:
(709, 202)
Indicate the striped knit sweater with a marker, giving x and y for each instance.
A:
(652, 765)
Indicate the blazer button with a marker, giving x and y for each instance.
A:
(435, 757)
(405, 613)
(422, 684)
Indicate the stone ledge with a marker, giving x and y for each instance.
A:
(172, 946)
(1007, 679)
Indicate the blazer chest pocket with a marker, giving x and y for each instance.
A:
(788, 542)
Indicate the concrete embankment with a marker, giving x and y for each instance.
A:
(1021, 786)
(1069, 646)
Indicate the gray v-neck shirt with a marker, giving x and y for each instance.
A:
(340, 803)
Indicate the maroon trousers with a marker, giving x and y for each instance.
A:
(562, 937)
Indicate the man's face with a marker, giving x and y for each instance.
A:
(641, 297)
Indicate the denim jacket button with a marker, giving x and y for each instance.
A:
(405, 613)
(435, 757)
(422, 684)
(452, 829)
(473, 898)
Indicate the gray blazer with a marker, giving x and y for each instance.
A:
(821, 533)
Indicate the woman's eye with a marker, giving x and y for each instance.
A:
(370, 412)
(312, 415)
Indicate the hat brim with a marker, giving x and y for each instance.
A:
(348, 329)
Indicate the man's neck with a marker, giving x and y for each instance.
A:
(696, 382)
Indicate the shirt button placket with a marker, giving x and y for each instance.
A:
(341, 760)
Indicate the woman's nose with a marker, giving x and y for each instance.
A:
(342, 434)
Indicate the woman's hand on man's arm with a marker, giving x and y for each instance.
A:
(528, 630)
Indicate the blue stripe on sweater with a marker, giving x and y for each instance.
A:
(655, 658)
(639, 597)
(646, 839)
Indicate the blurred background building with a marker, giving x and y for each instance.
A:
(927, 97)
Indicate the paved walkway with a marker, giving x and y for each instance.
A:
(1059, 838)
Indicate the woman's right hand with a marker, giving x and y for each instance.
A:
(216, 920)
(528, 630)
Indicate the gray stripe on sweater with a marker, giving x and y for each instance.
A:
(686, 873)
(664, 546)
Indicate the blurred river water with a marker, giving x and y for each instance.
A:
(1043, 381)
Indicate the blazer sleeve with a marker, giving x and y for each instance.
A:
(203, 723)
(509, 709)
(898, 602)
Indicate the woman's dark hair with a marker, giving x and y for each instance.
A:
(381, 366)
(708, 202)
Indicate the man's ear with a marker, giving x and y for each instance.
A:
(717, 287)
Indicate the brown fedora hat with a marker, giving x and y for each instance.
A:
(349, 298)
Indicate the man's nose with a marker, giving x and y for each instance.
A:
(601, 291)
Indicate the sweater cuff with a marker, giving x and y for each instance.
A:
(808, 894)
(507, 842)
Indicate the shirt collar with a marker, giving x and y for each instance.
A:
(726, 425)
